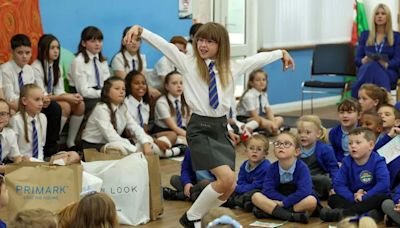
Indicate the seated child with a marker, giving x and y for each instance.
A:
(254, 104)
(348, 112)
(190, 183)
(251, 174)
(88, 214)
(372, 121)
(9, 147)
(371, 97)
(391, 207)
(390, 122)
(362, 183)
(34, 218)
(318, 156)
(287, 188)
(219, 217)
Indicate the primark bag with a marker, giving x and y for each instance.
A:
(38, 185)
(126, 182)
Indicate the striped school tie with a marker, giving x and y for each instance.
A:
(50, 81)
(230, 113)
(140, 115)
(96, 71)
(260, 107)
(133, 65)
(212, 88)
(178, 114)
(35, 140)
(20, 80)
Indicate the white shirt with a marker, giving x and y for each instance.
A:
(9, 144)
(195, 89)
(162, 111)
(38, 71)
(10, 72)
(132, 105)
(17, 124)
(83, 76)
(119, 64)
(163, 67)
(250, 102)
(99, 128)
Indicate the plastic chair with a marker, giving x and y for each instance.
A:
(329, 60)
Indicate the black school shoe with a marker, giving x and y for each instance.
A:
(331, 215)
(185, 222)
(169, 194)
(260, 213)
(284, 128)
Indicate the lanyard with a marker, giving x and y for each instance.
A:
(378, 48)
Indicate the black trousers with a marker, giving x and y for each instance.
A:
(53, 114)
(352, 208)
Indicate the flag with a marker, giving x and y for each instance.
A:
(360, 24)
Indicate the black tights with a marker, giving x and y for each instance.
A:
(352, 208)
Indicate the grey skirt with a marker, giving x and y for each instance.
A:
(209, 143)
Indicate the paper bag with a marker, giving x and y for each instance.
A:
(34, 185)
(125, 181)
(153, 161)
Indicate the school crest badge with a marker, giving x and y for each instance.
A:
(366, 177)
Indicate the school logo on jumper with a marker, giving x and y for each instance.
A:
(366, 177)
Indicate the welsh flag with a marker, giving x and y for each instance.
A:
(360, 24)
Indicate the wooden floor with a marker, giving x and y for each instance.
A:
(174, 209)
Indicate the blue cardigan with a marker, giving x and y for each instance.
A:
(248, 181)
(335, 138)
(326, 158)
(301, 178)
(372, 177)
(188, 175)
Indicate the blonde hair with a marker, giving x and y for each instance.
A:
(355, 222)
(260, 138)
(388, 27)
(67, 215)
(215, 213)
(294, 138)
(317, 123)
(34, 218)
(218, 33)
(25, 92)
(96, 210)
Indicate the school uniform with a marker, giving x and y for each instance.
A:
(207, 131)
(38, 70)
(321, 161)
(118, 63)
(38, 123)
(82, 78)
(289, 186)
(372, 177)
(11, 88)
(389, 204)
(11, 81)
(199, 179)
(339, 140)
(134, 105)
(9, 146)
(162, 111)
(252, 100)
(164, 67)
(100, 131)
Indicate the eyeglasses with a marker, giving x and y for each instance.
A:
(206, 41)
(4, 114)
(285, 144)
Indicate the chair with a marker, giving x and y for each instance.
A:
(329, 60)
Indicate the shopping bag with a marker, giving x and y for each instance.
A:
(38, 185)
(126, 182)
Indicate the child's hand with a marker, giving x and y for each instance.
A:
(147, 149)
(234, 137)
(279, 203)
(133, 34)
(358, 195)
(394, 131)
(186, 189)
(46, 101)
(332, 192)
(287, 61)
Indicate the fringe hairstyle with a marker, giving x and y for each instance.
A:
(106, 99)
(43, 57)
(90, 33)
(184, 107)
(218, 33)
(388, 28)
(123, 48)
(317, 123)
(128, 81)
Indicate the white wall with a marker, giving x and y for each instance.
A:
(393, 5)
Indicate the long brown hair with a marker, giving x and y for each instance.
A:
(218, 33)
(96, 210)
(43, 57)
(123, 48)
(251, 78)
(106, 99)
(25, 92)
(67, 215)
(90, 33)
(388, 27)
(184, 107)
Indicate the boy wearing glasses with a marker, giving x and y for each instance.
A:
(8, 141)
(362, 183)
(287, 188)
(251, 174)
